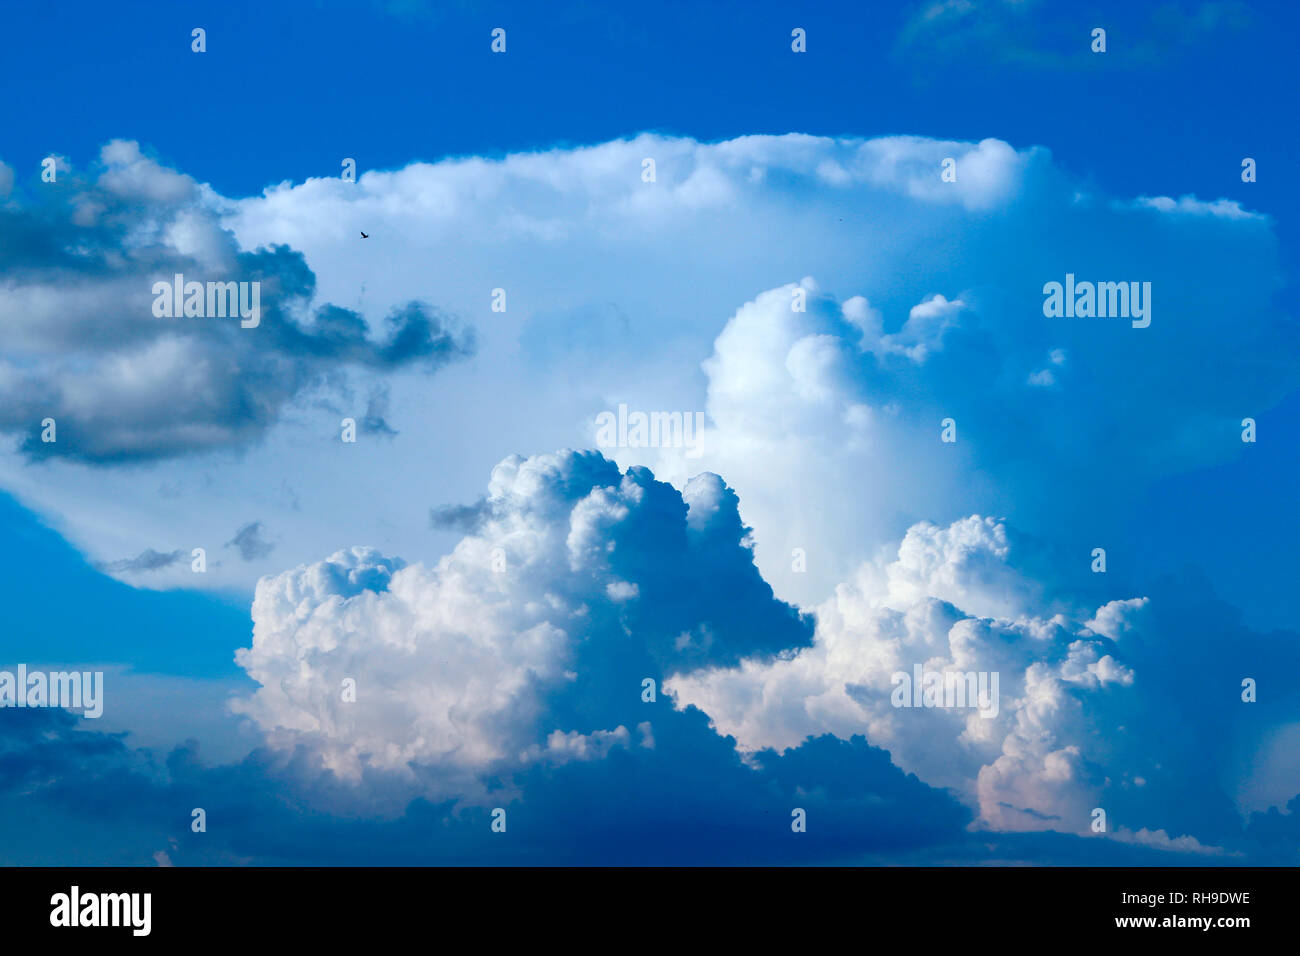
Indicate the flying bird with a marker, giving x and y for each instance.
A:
(364, 236)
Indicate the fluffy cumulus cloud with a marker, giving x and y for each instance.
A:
(527, 648)
(1100, 703)
(529, 642)
(1022, 747)
(87, 348)
(969, 402)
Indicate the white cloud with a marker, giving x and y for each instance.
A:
(1191, 206)
(450, 663)
(1116, 617)
(457, 666)
(1163, 841)
(953, 600)
(988, 175)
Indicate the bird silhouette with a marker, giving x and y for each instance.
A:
(364, 236)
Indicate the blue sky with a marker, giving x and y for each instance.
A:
(779, 174)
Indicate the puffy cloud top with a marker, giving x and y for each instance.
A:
(953, 600)
(526, 643)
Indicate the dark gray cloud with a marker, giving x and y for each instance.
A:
(74, 795)
(146, 560)
(1037, 34)
(463, 518)
(85, 348)
(375, 421)
(249, 542)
